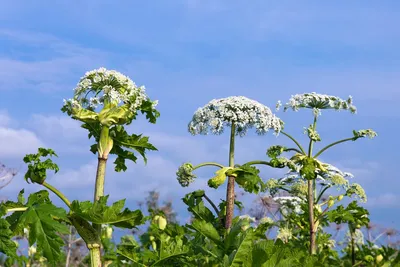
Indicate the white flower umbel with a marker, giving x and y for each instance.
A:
(285, 234)
(289, 202)
(243, 112)
(102, 85)
(317, 102)
(332, 176)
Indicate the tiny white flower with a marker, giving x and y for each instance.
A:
(108, 85)
(317, 102)
(241, 111)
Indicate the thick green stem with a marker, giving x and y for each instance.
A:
(230, 191)
(295, 141)
(99, 186)
(208, 164)
(333, 144)
(310, 145)
(313, 245)
(353, 251)
(58, 193)
(312, 194)
(104, 147)
(95, 256)
(100, 178)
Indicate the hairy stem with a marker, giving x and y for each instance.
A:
(310, 145)
(353, 252)
(313, 245)
(333, 144)
(58, 193)
(100, 178)
(230, 192)
(95, 252)
(95, 256)
(312, 192)
(295, 141)
(69, 247)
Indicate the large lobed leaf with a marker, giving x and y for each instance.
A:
(42, 219)
(123, 144)
(99, 213)
(248, 178)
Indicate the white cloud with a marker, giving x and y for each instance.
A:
(4, 118)
(16, 143)
(57, 127)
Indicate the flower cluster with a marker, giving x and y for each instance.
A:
(266, 220)
(107, 86)
(317, 102)
(241, 111)
(365, 133)
(289, 202)
(285, 234)
(335, 176)
(358, 191)
(185, 175)
(329, 176)
(300, 189)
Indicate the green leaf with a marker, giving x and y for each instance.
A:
(308, 170)
(206, 229)
(219, 178)
(84, 115)
(115, 115)
(7, 246)
(36, 168)
(99, 213)
(247, 177)
(138, 143)
(122, 144)
(196, 206)
(42, 218)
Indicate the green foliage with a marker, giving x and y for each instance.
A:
(248, 178)
(44, 220)
(36, 168)
(196, 206)
(123, 143)
(219, 178)
(7, 246)
(167, 247)
(99, 213)
(352, 214)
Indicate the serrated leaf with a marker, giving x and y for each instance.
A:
(196, 206)
(44, 229)
(37, 169)
(206, 229)
(7, 246)
(247, 177)
(99, 213)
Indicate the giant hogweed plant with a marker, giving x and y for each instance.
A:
(307, 172)
(104, 101)
(238, 114)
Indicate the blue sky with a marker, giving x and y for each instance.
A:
(187, 53)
